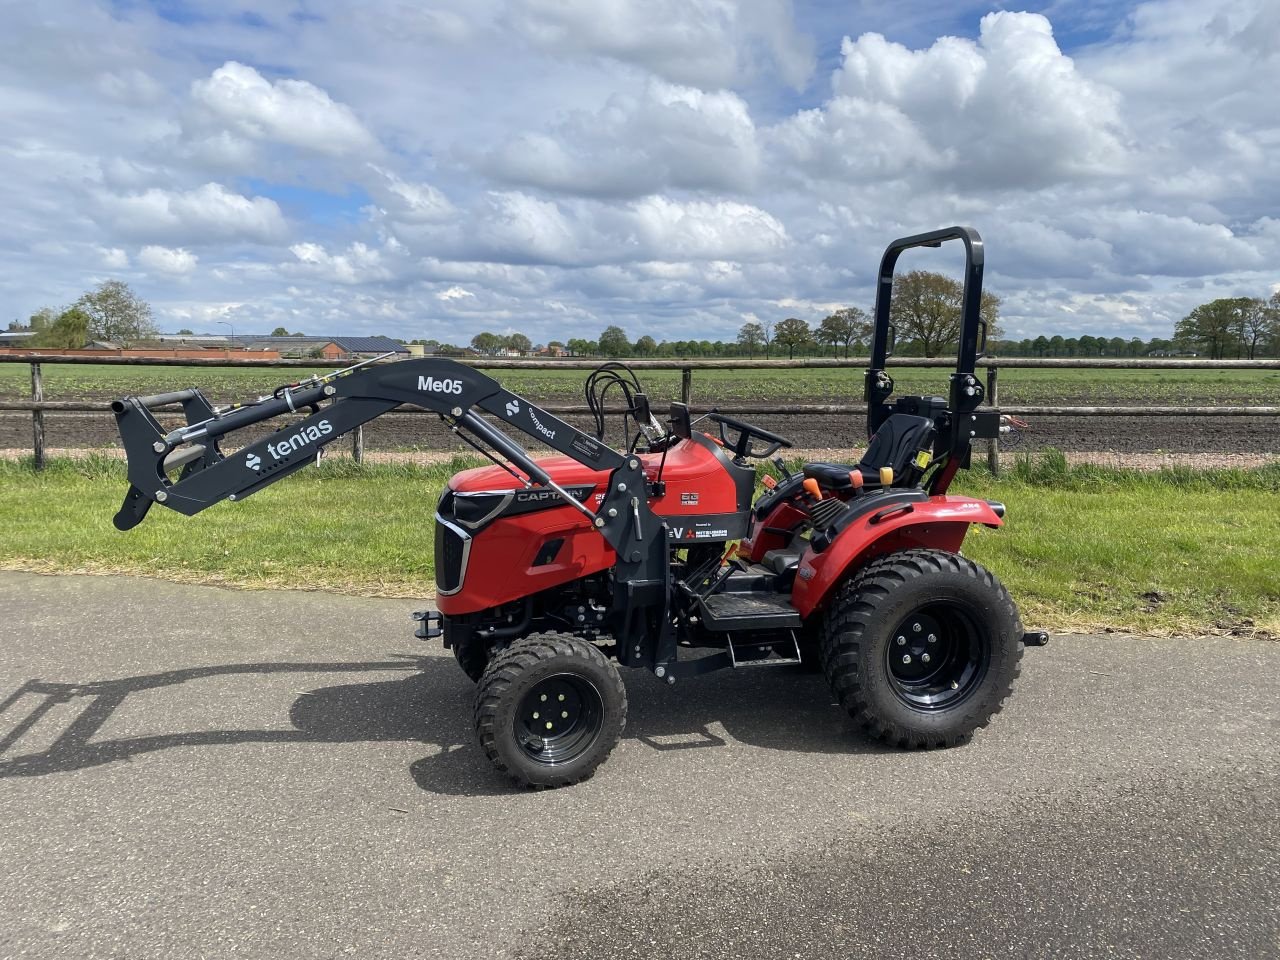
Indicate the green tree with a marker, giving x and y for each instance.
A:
(846, 326)
(792, 333)
(1040, 345)
(926, 308)
(1254, 325)
(184, 332)
(751, 336)
(1213, 327)
(69, 331)
(581, 348)
(486, 343)
(613, 342)
(280, 332)
(646, 346)
(116, 313)
(520, 343)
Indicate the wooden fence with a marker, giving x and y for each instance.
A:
(37, 405)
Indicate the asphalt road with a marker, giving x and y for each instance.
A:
(196, 772)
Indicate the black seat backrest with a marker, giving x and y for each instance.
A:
(900, 438)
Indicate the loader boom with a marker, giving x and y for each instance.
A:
(185, 470)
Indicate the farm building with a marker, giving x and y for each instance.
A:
(331, 348)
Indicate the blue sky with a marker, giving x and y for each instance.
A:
(672, 166)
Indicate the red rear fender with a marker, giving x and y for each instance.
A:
(939, 523)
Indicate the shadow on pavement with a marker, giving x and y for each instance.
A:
(772, 707)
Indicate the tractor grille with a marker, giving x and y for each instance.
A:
(453, 548)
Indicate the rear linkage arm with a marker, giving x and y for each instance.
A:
(444, 386)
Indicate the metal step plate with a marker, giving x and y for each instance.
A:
(741, 611)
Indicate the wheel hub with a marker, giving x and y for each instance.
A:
(935, 657)
(558, 718)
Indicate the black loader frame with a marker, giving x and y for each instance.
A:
(185, 470)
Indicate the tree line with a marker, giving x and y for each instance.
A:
(925, 311)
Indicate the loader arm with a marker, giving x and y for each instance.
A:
(185, 470)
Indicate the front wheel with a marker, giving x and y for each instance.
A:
(922, 647)
(549, 710)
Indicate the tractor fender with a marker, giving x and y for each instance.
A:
(937, 523)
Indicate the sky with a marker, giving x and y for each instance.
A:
(675, 167)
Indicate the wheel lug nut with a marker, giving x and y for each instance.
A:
(902, 641)
(561, 697)
(915, 627)
(924, 657)
(548, 724)
(906, 658)
(564, 714)
(933, 638)
(535, 714)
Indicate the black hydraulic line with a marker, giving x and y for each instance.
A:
(483, 452)
(289, 402)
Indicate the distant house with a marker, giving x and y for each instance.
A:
(331, 348)
(15, 338)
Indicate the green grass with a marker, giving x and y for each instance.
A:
(1083, 548)
(1029, 387)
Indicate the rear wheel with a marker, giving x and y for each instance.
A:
(922, 648)
(549, 710)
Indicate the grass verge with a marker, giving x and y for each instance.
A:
(1084, 547)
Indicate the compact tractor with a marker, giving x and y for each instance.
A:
(552, 571)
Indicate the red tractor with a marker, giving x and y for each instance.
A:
(551, 571)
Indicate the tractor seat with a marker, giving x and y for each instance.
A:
(900, 438)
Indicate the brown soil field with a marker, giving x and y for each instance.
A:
(1138, 436)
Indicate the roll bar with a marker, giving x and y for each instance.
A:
(957, 417)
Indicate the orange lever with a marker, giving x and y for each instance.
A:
(768, 481)
(811, 487)
(855, 479)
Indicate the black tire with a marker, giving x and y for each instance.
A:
(946, 687)
(472, 655)
(521, 681)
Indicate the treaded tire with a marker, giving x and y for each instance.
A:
(508, 692)
(472, 657)
(879, 605)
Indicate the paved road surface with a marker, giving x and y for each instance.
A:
(195, 772)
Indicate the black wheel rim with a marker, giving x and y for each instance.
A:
(559, 719)
(937, 657)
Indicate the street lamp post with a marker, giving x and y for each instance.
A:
(227, 323)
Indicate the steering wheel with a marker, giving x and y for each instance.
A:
(741, 446)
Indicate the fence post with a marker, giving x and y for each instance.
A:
(37, 417)
(993, 399)
(357, 444)
(686, 386)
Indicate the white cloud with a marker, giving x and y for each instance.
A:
(667, 137)
(665, 229)
(206, 213)
(114, 258)
(1009, 111)
(406, 202)
(454, 293)
(708, 43)
(167, 259)
(359, 263)
(644, 162)
(292, 112)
